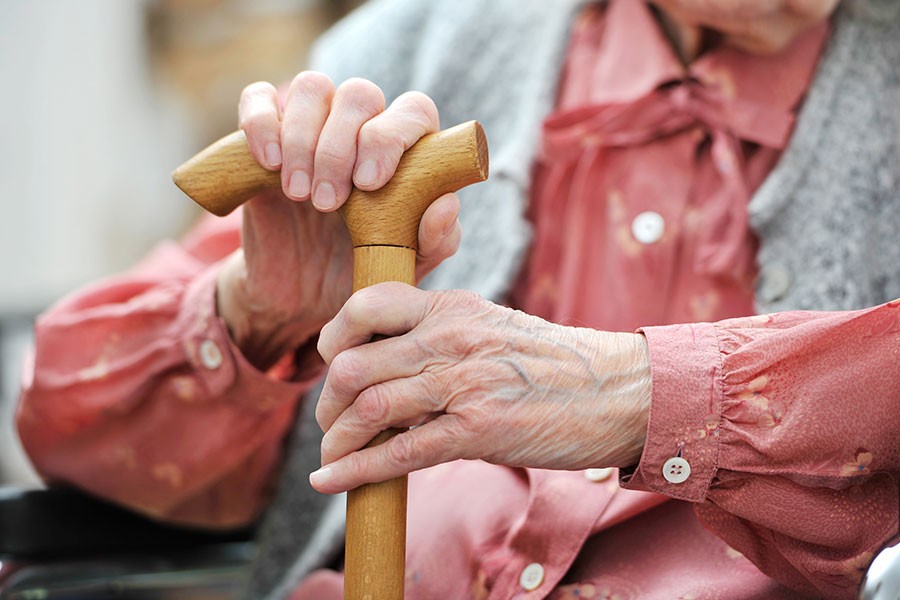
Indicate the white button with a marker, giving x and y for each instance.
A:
(532, 577)
(648, 227)
(210, 354)
(676, 470)
(598, 475)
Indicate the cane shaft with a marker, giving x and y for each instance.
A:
(375, 552)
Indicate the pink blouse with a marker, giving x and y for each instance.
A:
(781, 427)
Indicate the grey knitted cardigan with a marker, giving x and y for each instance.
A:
(828, 216)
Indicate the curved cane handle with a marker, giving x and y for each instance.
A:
(225, 175)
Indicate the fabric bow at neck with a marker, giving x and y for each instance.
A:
(673, 108)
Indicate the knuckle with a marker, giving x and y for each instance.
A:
(324, 410)
(421, 107)
(357, 86)
(354, 304)
(478, 420)
(373, 406)
(363, 94)
(450, 443)
(255, 115)
(456, 339)
(252, 121)
(256, 105)
(359, 308)
(456, 332)
(435, 389)
(325, 448)
(401, 450)
(357, 465)
(322, 345)
(454, 439)
(378, 138)
(330, 153)
(372, 133)
(345, 371)
(457, 302)
(467, 299)
(312, 83)
(258, 88)
(320, 416)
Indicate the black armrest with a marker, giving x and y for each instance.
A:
(59, 522)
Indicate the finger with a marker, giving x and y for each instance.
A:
(449, 246)
(305, 112)
(384, 138)
(379, 407)
(260, 118)
(390, 308)
(439, 234)
(355, 102)
(435, 442)
(356, 369)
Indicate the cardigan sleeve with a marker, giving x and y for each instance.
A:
(134, 391)
(788, 424)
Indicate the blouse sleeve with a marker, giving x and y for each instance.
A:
(135, 392)
(783, 430)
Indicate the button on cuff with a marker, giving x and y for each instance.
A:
(532, 577)
(213, 366)
(685, 412)
(218, 363)
(206, 343)
(676, 470)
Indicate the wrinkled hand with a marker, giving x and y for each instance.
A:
(295, 268)
(479, 381)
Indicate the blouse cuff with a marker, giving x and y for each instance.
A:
(218, 363)
(680, 454)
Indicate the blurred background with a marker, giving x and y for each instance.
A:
(101, 100)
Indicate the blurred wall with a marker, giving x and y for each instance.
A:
(102, 99)
(208, 50)
(87, 146)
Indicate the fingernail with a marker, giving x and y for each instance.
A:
(273, 154)
(324, 197)
(298, 186)
(320, 477)
(366, 173)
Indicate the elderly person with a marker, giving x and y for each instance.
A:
(653, 163)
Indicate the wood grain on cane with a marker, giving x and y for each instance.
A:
(383, 226)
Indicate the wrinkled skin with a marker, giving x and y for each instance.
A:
(480, 381)
(295, 268)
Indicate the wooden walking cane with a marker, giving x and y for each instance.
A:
(384, 227)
